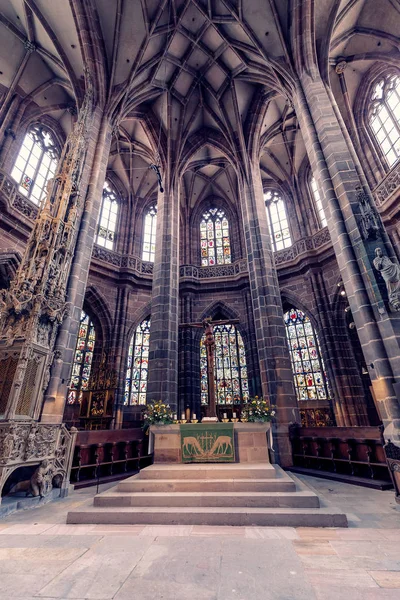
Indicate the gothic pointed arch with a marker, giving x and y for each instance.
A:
(36, 162)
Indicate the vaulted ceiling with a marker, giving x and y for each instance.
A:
(199, 68)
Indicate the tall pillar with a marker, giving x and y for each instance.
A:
(163, 351)
(273, 353)
(55, 398)
(356, 231)
(35, 305)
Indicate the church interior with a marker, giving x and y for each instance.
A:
(200, 236)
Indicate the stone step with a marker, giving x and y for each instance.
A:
(281, 517)
(135, 484)
(304, 499)
(209, 471)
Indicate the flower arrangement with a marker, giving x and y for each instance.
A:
(257, 410)
(157, 413)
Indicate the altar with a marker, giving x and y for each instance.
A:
(210, 443)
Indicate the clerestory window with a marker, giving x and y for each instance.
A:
(214, 238)
(149, 235)
(384, 117)
(36, 163)
(318, 202)
(107, 226)
(277, 221)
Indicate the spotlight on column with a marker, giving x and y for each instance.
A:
(352, 325)
(343, 292)
(347, 309)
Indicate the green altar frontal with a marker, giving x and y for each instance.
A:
(207, 443)
(210, 443)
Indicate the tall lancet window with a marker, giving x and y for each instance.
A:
(108, 218)
(82, 359)
(231, 381)
(214, 238)
(138, 365)
(384, 117)
(149, 236)
(309, 374)
(318, 202)
(277, 221)
(36, 163)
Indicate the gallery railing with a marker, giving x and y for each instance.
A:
(388, 187)
(355, 452)
(108, 455)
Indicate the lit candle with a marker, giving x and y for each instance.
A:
(234, 415)
(225, 416)
(194, 416)
(175, 417)
(183, 417)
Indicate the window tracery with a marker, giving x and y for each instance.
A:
(277, 220)
(83, 359)
(231, 380)
(149, 236)
(310, 379)
(318, 202)
(214, 238)
(384, 116)
(36, 163)
(108, 218)
(138, 365)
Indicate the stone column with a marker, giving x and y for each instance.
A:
(97, 157)
(273, 353)
(163, 351)
(345, 195)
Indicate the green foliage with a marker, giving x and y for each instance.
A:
(157, 413)
(258, 410)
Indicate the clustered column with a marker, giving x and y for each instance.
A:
(163, 351)
(273, 354)
(346, 197)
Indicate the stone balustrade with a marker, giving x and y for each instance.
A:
(15, 200)
(388, 186)
(28, 209)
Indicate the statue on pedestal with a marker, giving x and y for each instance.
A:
(390, 272)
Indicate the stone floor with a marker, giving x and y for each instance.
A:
(41, 557)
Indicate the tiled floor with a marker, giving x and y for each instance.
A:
(41, 557)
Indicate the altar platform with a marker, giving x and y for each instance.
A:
(209, 494)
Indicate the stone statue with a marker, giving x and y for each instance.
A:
(41, 480)
(390, 272)
(369, 220)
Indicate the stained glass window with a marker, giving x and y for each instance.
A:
(82, 359)
(149, 237)
(138, 365)
(318, 202)
(231, 381)
(36, 163)
(309, 374)
(108, 218)
(214, 238)
(384, 117)
(277, 221)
